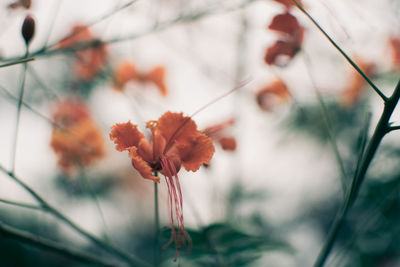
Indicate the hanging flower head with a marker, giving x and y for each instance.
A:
(90, 61)
(127, 72)
(175, 142)
(76, 140)
(290, 38)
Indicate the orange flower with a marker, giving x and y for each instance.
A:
(175, 142)
(77, 141)
(355, 86)
(127, 72)
(272, 95)
(291, 37)
(217, 133)
(90, 61)
(395, 48)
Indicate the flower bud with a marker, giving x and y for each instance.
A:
(28, 29)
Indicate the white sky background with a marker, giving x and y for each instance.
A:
(200, 58)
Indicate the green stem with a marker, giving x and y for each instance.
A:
(156, 225)
(23, 60)
(48, 245)
(381, 130)
(131, 259)
(22, 205)
(18, 116)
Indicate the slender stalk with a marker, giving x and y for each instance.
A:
(48, 245)
(131, 259)
(19, 106)
(22, 205)
(156, 225)
(376, 89)
(381, 130)
(23, 60)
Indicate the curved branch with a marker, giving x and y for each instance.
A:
(42, 243)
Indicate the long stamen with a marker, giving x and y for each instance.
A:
(176, 203)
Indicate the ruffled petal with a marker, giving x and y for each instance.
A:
(176, 128)
(141, 166)
(199, 151)
(125, 136)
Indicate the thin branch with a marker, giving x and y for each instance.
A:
(359, 176)
(394, 128)
(377, 90)
(34, 111)
(131, 259)
(104, 17)
(18, 61)
(157, 28)
(22, 205)
(48, 245)
(18, 115)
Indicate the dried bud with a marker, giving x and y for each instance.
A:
(28, 29)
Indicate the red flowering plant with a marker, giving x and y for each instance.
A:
(175, 142)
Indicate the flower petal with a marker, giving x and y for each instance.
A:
(125, 136)
(124, 73)
(199, 151)
(286, 23)
(141, 166)
(278, 49)
(175, 127)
